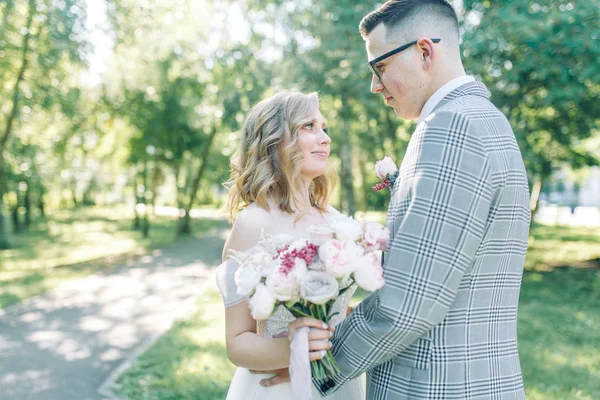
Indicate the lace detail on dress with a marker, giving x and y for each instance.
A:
(281, 318)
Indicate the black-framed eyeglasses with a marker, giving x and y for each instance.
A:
(391, 53)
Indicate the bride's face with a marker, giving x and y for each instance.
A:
(314, 142)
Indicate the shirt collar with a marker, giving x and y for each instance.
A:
(441, 93)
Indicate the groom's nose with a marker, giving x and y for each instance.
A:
(376, 85)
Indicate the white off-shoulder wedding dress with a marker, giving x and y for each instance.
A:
(244, 385)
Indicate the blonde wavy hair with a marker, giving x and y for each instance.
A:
(267, 166)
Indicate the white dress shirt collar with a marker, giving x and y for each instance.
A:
(441, 93)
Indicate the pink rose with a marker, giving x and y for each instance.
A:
(368, 273)
(376, 236)
(385, 167)
(340, 257)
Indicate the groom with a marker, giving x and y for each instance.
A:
(444, 326)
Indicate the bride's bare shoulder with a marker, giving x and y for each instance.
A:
(331, 210)
(247, 228)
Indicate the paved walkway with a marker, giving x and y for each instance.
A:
(66, 344)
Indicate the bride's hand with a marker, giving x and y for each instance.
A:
(318, 337)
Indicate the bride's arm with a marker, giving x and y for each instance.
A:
(244, 347)
(247, 349)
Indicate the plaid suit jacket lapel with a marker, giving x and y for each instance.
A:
(469, 89)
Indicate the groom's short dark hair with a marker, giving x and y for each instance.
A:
(394, 12)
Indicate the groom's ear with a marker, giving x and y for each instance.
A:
(427, 49)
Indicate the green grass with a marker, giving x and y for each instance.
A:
(559, 334)
(190, 362)
(73, 244)
(556, 246)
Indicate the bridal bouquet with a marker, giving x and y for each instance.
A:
(307, 275)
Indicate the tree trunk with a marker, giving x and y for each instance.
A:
(156, 180)
(145, 221)
(348, 200)
(15, 218)
(27, 205)
(535, 196)
(41, 206)
(74, 195)
(136, 219)
(184, 228)
(185, 221)
(4, 235)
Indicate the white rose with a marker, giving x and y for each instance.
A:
(319, 234)
(262, 303)
(368, 273)
(346, 228)
(384, 167)
(283, 285)
(318, 287)
(246, 278)
(340, 257)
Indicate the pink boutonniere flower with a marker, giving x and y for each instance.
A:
(387, 171)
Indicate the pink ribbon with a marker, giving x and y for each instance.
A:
(300, 376)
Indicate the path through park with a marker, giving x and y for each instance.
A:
(69, 344)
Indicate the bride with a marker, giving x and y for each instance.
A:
(281, 177)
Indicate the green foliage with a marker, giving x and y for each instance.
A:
(539, 59)
(165, 120)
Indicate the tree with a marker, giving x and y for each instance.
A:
(39, 38)
(539, 60)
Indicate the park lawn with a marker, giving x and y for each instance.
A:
(75, 243)
(559, 332)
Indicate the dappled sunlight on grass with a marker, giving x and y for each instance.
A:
(189, 362)
(556, 246)
(76, 243)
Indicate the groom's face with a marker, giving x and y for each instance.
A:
(402, 82)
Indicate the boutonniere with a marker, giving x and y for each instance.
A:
(387, 171)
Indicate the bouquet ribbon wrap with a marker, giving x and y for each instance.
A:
(300, 376)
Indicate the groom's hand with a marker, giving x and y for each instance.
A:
(281, 376)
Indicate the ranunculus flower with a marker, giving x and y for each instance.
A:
(376, 236)
(283, 285)
(346, 228)
(368, 273)
(340, 257)
(318, 287)
(246, 278)
(384, 167)
(262, 303)
(319, 234)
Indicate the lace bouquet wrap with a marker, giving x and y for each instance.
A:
(307, 275)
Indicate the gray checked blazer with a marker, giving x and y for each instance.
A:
(444, 326)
